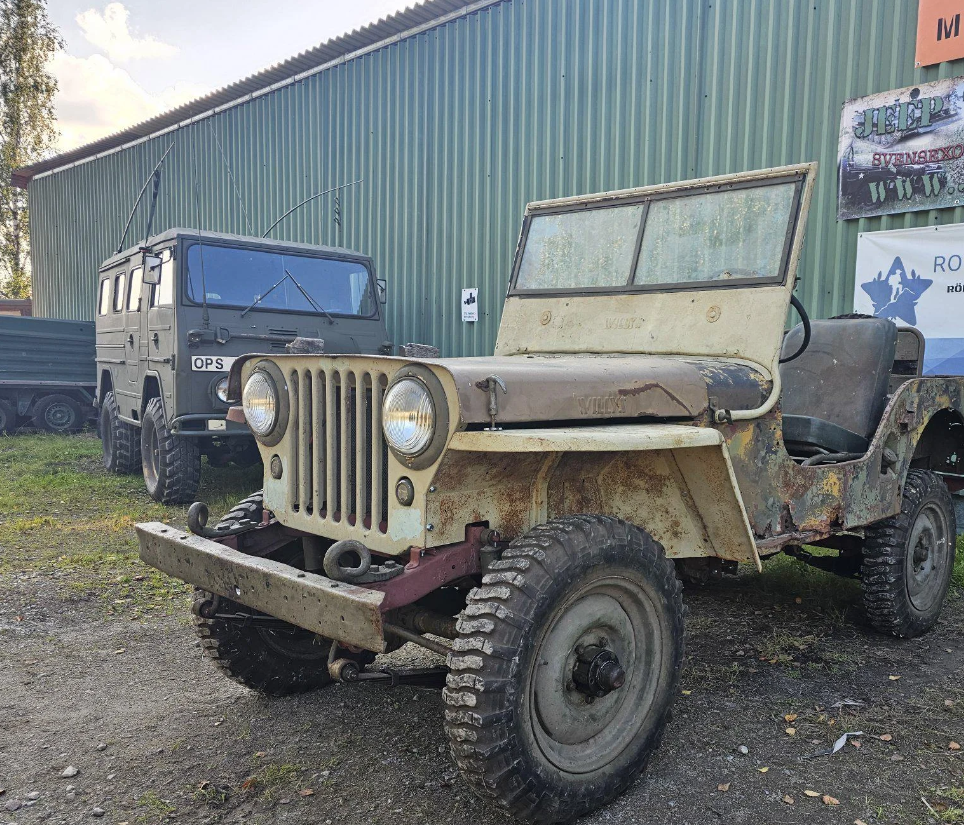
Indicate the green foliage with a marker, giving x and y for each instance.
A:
(27, 126)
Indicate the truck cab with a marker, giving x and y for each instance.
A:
(528, 514)
(174, 313)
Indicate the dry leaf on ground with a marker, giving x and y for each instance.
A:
(827, 799)
(723, 787)
(811, 793)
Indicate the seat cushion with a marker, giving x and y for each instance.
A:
(842, 377)
(804, 435)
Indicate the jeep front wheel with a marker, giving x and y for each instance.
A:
(565, 667)
(908, 559)
(120, 441)
(171, 463)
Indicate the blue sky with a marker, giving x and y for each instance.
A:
(126, 61)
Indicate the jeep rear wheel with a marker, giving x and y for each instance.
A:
(120, 441)
(171, 463)
(908, 559)
(566, 664)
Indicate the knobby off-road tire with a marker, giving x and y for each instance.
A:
(521, 732)
(908, 559)
(121, 442)
(58, 414)
(275, 661)
(8, 417)
(171, 463)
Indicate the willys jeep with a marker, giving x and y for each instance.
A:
(173, 314)
(526, 514)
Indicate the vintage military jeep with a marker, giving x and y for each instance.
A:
(530, 506)
(175, 312)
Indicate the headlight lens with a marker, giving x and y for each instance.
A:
(408, 419)
(260, 400)
(221, 389)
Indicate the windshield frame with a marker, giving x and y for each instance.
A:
(187, 242)
(646, 198)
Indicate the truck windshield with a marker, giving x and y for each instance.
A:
(687, 239)
(238, 277)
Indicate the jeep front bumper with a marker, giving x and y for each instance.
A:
(336, 610)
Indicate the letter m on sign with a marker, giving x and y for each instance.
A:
(948, 27)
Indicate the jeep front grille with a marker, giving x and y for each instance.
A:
(338, 470)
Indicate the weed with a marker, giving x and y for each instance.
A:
(157, 808)
(271, 777)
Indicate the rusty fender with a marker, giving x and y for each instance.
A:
(674, 481)
(790, 504)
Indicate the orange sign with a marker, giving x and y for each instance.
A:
(940, 31)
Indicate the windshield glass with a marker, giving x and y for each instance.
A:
(697, 238)
(239, 277)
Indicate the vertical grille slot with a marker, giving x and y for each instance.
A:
(306, 458)
(319, 444)
(296, 440)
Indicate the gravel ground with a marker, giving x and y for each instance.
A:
(109, 712)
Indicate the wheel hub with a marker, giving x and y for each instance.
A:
(597, 671)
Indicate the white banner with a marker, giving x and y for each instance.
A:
(915, 277)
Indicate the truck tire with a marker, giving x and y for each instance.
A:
(276, 661)
(120, 441)
(571, 605)
(8, 417)
(908, 559)
(171, 463)
(57, 414)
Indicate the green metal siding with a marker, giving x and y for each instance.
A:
(454, 129)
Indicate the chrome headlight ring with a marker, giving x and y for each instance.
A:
(425, 389)
(265, 402)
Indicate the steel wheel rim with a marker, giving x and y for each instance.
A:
(58, 416)
(926, 562)
(576, 736)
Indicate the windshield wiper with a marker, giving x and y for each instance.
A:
(314, 304)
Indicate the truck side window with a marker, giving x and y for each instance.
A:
(119, 292)
(134, 297)
(163, 293)
(103, 302)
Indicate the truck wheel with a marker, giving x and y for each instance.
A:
(120, 441)
(273, 660)
(908, 559)
(57, 414)
(171, 463)
(8, 417)
(565, 667)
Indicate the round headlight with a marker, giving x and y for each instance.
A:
(260, 400)
(221, 389)
(408, 418)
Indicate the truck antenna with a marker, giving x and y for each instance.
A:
(308, 200)
(156, 177)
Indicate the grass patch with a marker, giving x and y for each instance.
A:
(65, 519)
(155, 807)
(271, 778)
(947, 804)
(957, 577)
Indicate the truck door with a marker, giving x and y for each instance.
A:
(132, 332)
(159, 340)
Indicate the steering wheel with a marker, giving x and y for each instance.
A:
(805, 320)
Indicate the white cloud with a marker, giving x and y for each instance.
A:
(110, 32)
(95, 98)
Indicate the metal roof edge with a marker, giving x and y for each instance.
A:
(168, 122)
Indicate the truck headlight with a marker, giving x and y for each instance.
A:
(408, 417)
(221, 389)
(260, 400)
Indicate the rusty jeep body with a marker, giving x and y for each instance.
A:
(643, 414)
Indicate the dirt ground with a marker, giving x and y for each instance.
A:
(100, 672)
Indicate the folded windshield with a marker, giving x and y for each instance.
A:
(697, 238)
(239, 277)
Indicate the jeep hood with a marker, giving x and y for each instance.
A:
(567, 388)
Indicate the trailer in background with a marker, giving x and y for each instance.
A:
(48, 374)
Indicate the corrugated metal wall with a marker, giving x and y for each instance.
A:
(456, 128)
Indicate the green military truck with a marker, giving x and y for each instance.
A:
(175, 312)
(527, 514)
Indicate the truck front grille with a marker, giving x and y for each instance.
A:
(338, 459)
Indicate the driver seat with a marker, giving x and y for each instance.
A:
(835, 392)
